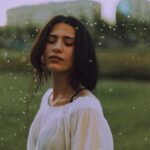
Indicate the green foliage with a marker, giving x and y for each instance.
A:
(127, 33)
(132, 32)
(14, 61)
(19, 38)
(124, 64)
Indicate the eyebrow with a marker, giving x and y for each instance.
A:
(53, 35)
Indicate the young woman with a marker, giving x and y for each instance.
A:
(70, 117)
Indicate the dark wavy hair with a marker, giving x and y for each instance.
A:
(85, 70)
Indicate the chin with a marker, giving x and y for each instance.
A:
(54, 69)
(58, 70)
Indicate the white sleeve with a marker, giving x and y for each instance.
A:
(90, 131)
(36, 124)
(33, 132)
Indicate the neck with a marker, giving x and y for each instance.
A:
(61, 86)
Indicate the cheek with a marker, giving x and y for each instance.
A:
(70, 56)
(48, 48)
(47, 51)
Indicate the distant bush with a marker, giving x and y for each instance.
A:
(18, 38)
(14, 61)
(124, 64)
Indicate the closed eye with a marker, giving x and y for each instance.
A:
(52, 39)
(69, 41)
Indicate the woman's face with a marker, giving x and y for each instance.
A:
(58, 54)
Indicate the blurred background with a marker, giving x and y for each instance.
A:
(121, 34)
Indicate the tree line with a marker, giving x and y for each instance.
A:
(128, 32)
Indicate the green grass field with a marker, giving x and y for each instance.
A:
(125, 103)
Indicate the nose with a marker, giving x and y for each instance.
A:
(58, 46)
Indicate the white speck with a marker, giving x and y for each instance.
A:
(99, 43)
(91, 24)
(133, 107)
(23, 113)
(13, 99)
(27, 94)
(114, 29)
(102, 37)
(90, 60)
(37, 30)
(119, 133)
(6, 55)
(76, 28)
(10, 87)
(20, 91)
(110, 90)
(8, 61)
(145, 139)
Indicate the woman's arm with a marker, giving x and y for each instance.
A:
(90, 131)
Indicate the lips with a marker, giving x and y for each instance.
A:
(55, 58)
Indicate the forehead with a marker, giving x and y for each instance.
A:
(63, 29)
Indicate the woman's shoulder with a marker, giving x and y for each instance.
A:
(47, 93)
(45, 96)
(86, 103)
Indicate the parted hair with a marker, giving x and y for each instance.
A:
(85, 70)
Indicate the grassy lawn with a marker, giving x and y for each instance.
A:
(127, 107)
(125, 103)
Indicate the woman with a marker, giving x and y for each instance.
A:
(70, 117)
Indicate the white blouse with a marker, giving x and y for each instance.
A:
(79, 125)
